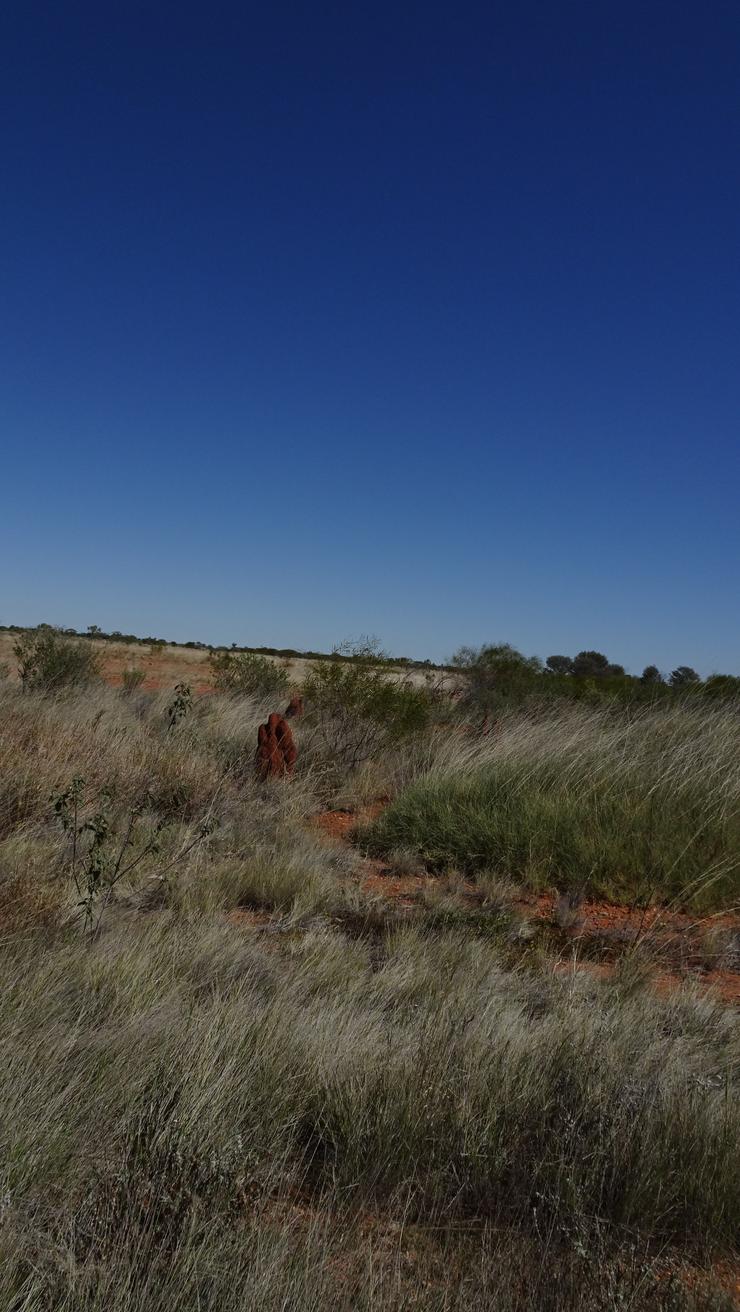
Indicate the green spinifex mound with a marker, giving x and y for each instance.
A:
(625, 808)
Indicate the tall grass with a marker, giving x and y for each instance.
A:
(319, 1106)
(171, 1073)
(630, 807)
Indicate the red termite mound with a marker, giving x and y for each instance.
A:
(294, 707)
(287, 746)
(276, 751)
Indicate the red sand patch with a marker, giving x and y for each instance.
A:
(725, 983)
(161, 668)
(340, 824)
(248, 918)
(675, 938)
(610, 917)
(377, 879)
(607, 920)
(335, 824)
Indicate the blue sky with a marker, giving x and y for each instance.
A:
(415, 320)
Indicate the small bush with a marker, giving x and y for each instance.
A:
(48, 661)
(246, 674)
(360, 710)
(180, 706)
(132, 679)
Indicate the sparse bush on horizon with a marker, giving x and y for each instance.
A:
(246, 674)
(49, 661)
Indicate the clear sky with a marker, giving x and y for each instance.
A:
(410, 319)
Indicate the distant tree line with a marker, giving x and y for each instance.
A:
(496, 674)
(595, 665)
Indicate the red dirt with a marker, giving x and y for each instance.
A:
(248, 918)
(599, 917)
(335, 824)
(162, 667)
(412, 1247)
(725, 983)
(340, 824)
(404, 889)
(724, 1273)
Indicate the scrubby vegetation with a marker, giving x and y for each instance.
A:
(626, 807)
(245, 674)
(49, 661)
(359, 712)
(237, 1076)
(497, 676)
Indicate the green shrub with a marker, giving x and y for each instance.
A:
(722, 685)
(180, 706)
(49, 661)
(360, 710)
(495, 675)
(244, 673)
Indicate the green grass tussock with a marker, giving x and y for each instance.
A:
(627, 808)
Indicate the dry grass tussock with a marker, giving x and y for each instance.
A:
(328, 1107)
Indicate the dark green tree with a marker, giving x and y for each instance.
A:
(495, 673)
(559, 664)
(682, 676)
(591, 665)
(651, 674)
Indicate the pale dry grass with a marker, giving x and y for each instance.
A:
(309, 1103)
(170, 1089)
